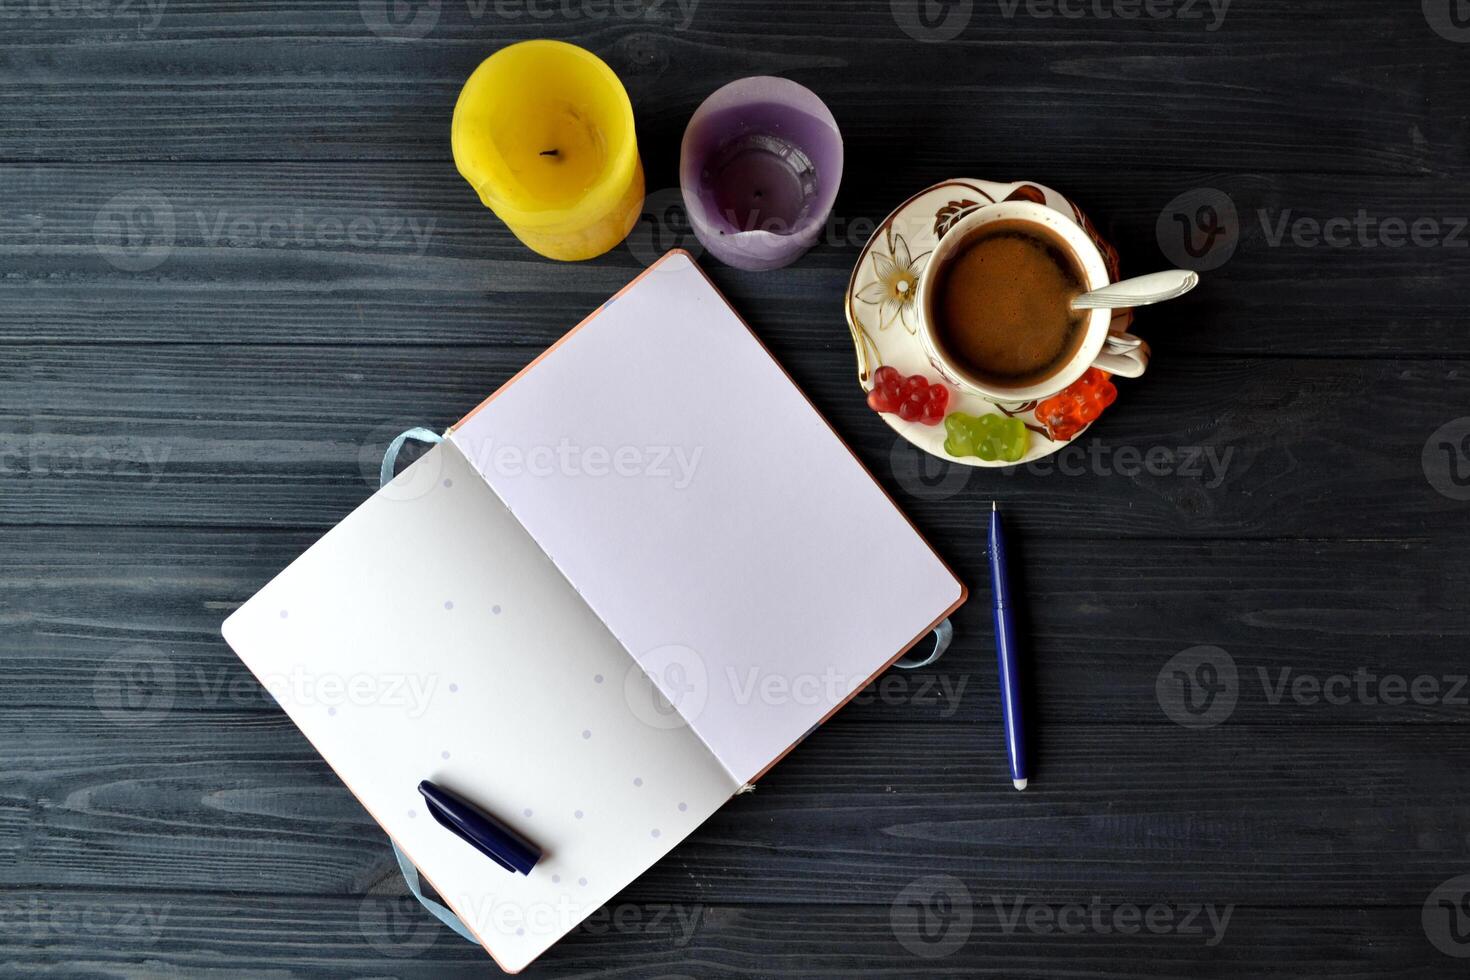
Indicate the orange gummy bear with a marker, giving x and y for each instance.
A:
(1075, 407)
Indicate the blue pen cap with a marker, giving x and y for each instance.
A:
(480, 830)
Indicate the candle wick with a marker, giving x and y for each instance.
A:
(551, 153)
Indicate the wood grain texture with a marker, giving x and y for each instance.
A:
(400, 253)
(192, 799)
(94, 612)
(291, 436)
(179, 934)
(280, 81)
(235, 259)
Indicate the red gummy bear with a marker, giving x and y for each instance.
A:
(912, 399)
(1075, 407)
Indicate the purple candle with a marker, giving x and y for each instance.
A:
(759, 169)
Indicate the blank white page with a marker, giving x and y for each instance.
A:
(709, 515)
(428, 637)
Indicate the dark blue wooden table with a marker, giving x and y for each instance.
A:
(235, 258)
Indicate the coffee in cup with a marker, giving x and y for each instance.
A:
(1001, 304)
(995, 305)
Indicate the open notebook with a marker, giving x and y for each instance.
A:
(621, 589)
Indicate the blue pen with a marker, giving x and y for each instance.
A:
(1007, 654)
(480, 830)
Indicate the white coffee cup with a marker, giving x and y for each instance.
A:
(1118, 353)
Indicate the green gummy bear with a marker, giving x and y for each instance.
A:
(987, 436)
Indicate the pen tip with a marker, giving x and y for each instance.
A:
(1019, 783)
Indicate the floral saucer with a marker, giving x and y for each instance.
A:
(884, 322)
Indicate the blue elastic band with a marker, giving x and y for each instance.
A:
(390, 458)
(411, 876)
(410, 873)
(943, 634)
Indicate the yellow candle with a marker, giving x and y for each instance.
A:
(543, 131)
